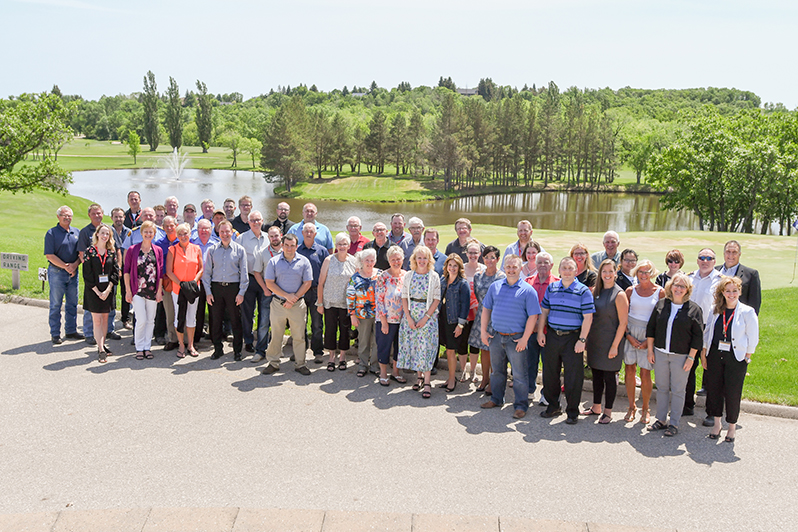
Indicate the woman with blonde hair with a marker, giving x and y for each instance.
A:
(585, 270)
(730, 339)
(184, 268)
(418, 332)
(455, 302)
(675, 335)
(100, 276)
(143, 265)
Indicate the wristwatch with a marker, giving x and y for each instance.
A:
(583, 340)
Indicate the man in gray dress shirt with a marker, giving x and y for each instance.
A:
(225, 280)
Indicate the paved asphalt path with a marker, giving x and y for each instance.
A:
(200, 433)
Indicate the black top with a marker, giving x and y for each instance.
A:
(239, 225)
(93, 268)
(587, 278)
(688, 327)
(382, 253)
(284, 226)
(623, 281)
(132, 221)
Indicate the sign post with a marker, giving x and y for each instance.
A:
(15, 262)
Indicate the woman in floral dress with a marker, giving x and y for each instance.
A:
(418, 332)
(389, 313)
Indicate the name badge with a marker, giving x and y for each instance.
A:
(103, 279)
(724, 346)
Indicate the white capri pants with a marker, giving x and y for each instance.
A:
(191, 312)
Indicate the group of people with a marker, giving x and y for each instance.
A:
(400, 299)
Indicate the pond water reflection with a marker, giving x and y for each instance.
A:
(590, 212)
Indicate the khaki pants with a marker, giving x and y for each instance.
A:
(296, 317)
(169, 309)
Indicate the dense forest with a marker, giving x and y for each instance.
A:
(487, 136)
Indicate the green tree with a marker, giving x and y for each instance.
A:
(377, 141)
(251, 146)
(204, 116)
(232, 141)
(446, 151)
(133, 144)
(28, 124)
(174, 115)
(320, 138)
(286, 151)
(398, 142)
(340, 142)
(448, 83)
(150, 99)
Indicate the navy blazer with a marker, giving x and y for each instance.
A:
(751, 294)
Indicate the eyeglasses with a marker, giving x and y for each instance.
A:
(579, 253)
(706, 258)
(282, 209)
(631, 261)
(674, 261)
(643, 272)
(683, 287)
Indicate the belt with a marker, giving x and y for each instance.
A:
(220, 283)
(509, 334)
(417, 300)
(564, 333)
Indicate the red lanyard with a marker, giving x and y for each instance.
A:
(102, 258)
(726, 323)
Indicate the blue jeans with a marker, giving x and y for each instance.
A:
(502, 350)
(264, 321)
(535, 355)
(254, 298)
(62, 284)
(316, 339)
(88, 325)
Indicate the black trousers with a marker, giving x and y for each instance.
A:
(604, 380)
(559, 353)
(316, 339)
(125, 308)
(200, 316)
(689, 395)
(724, 382)
(224, 299)
(336, 320)
(160, 319)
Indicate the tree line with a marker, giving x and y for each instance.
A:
(486, 136)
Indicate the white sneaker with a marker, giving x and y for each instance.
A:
(543, 401)
(257, 358)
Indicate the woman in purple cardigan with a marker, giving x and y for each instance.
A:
(143, 267)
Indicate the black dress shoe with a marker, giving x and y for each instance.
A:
(74, 336)
(170, 346)
(249, 348)
(113, 335)
(303, 371)
(237, 357)
(571, 421)
(268, 370)
(709, 421)
(217, 354)
(702, 392)
(688, 412)
(91, 341)
(434, 371)
(57, 340)
(550, 413)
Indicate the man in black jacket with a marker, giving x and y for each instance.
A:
(751, 293)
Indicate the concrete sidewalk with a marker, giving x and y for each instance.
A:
(182, 444)
(283, 520)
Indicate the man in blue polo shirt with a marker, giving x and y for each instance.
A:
(511, 307)
(315, 253)
(323, 235)
(61, 250)
(288, 276)
(568, 309)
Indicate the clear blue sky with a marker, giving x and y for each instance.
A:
(96, 47)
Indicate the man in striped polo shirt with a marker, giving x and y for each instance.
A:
(568, 309)
(511, 307)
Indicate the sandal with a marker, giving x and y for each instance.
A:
(658, 425)
(139, 355)
(148, 354)
(417, 386)
(589, 412)
(193, 352)
(671, 431)
(605, 419)
(101, 357)
(645, 416)
(427, 393)
(385, 381)
(630, 415)
(181, 354)
(445, 386)
(331, 366)
(398, 378)
(361, 373)
(342, 365)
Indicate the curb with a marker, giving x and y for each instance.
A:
(749, 407)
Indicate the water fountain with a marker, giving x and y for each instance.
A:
(176, 162)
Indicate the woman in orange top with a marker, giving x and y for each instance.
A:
(184, 264)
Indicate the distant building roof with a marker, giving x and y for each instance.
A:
(468, 92)
(358, 94)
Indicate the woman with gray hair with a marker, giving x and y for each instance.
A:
(675, 335)
(389, 313)
(336, 271)
(361, 302)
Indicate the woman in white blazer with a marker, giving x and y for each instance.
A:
(730, 338)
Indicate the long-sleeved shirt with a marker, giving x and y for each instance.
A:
(226, 264)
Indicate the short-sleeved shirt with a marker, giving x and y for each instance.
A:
(455, 247)
(289, 276)
(315, 255)
(85, 236)
(253, 246)
(323, 236)
(567, 306)
(408, 245)
(382, 253)
(511, 305)
(62, 243)
(195, 239)
(357, 245)
(399, 240)
(439, 259)
(265, 254)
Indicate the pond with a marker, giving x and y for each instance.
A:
(571, 211)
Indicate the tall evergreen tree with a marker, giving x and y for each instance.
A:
(204, 116)
(287, 152)
(174, 115)
(150, 98)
